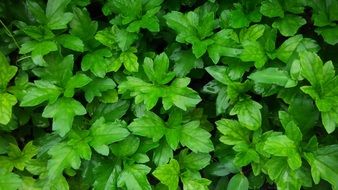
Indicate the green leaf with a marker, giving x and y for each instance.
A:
(285, 178)
(104, 133)
(64, 66)
(289, 24)
(63, 112)
(96, 62)
(7, 101)
(253, 51)
(157, 70)
(56, 17)
(237, 17)
(38, 49)
(81, 25)
(106, 176)
(313, 70)
(186, 25)
(129, 60)
(272, 8)
(323, 164)
(168, 174)
(273, 75)
(330, 120)
(42, 91)
(177, 93)
(193, 180)
(9, 181)
(21, 159)
(71, 42)
(292, 131)
(252, 33)
(233, 132)
(113, 36)
(329, 35)
(185, 61)
(63, 156)
(225, 44)
(196, 138)
(77, 81)
(148, 21)
(282, 146)
(126, 147)
(134, 177)
(163, 153)
(149, 125)
(97, 86)
(248, 113)
(238, 182)
(286, 50)
(173, 135)
(110, 112)
(194, 161)
(7, 72)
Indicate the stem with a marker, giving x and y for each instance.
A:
(23, 58)
(10, 34)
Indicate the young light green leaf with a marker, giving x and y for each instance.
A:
(7, 101)
(128, 59)
(7, 72)
(283, 146)
(196, 138)
(252, 33)
(157, 70)
(10, 181)
(168, 174)
(248, 113)
(63, 112)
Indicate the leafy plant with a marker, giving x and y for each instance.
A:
(183, 94)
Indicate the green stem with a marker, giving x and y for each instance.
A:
(10, 34)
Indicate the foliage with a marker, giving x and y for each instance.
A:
(182, 94)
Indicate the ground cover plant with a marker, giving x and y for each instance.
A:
(167, 95)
